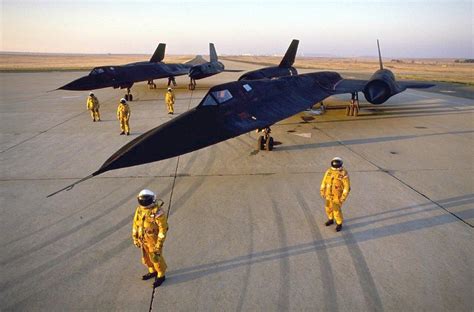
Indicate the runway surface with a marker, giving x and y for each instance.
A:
(246, 227)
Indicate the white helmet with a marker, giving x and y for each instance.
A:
(146, 198)
(91, 93)
(122, 100)
(169, 89)
(336, 163)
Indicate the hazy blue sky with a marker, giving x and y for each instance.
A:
(421, 28)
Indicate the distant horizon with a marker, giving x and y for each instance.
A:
(223, 55)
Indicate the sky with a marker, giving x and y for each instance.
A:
(417, 28)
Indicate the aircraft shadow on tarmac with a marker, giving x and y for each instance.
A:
(363, 141)
(348, 237)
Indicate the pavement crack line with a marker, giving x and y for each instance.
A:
(169, 206)
(41, 132)
(396, 178)
(44, 131)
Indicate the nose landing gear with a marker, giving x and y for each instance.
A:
(151, 84)
(265, 141)
(128, 96)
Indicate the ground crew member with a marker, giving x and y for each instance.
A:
(123, 115)
(149, 232)
(335, 188)
(93, 106)
(169, 99)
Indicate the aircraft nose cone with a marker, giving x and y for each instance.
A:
(82, 84)
(193, 130)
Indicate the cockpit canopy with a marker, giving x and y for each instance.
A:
(101, 70)
(217, 97)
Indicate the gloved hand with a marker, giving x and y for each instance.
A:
(157, 249)
(137, 243)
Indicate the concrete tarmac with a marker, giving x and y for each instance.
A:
(246, 227)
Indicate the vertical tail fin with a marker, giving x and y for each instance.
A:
(159, 54)
(212, 53)
(290, 54)
(380, 55)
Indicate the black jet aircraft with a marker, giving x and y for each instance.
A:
(231, 109)
(284, 69)
(378, 89)
(211, 68)
(124, 76)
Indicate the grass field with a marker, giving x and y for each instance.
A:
(443, 70)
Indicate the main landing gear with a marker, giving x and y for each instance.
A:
(128, 96)
(353, 108)
(151, 84)
(265, 141)
(192, 84)
(172, 80)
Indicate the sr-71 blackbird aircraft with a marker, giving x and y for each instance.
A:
(211, 68)
(124, 76)
(234, 108)
(284, 69)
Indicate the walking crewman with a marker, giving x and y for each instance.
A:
(93, 106)
(335, 188)
(169, 99)
(123, 115)
(149, 233)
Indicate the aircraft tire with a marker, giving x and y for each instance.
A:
(260, 143)
(130, 97)
(269, 144)
(126, 97)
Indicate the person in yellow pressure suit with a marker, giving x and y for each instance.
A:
(335, 188)
(170, 99)
(123, 115)
(93, 106)
(149, 233)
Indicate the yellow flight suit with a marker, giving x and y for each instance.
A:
(93, 106)
(169, 99)
(149, 232)
(123, 115)
(335, 188)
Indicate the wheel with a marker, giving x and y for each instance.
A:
(348, 110)
(351, 111)
(269, 144)
(154, 86)
(193, 87)
(260, 143)
(126, 97)
(130, 97)
(190, 86)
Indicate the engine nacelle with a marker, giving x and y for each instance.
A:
(269, 73)
(381, 87)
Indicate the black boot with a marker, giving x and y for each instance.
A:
(159, 281)
(148, 276)
(122, 133)
(329, 222)
(338, 227)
